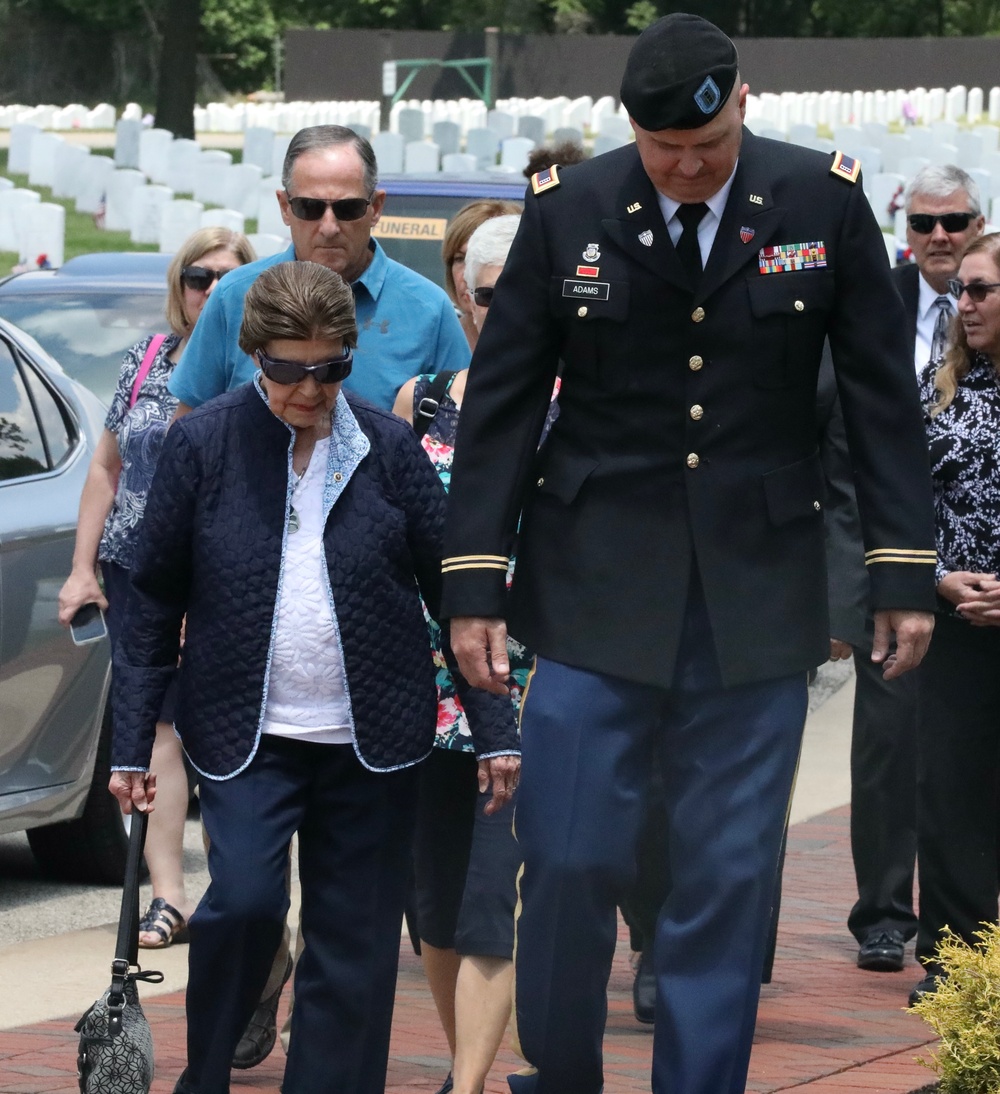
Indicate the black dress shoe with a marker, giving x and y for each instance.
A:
(181, 1087)
(928, 986)
(262, 1030)
(644, 990)
(882, 951)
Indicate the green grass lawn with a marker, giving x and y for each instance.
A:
(82, 234)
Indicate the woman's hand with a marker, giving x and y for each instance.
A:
(81, 587)
(977, 596)
(133, 789)
(503, 773)
(840, 651)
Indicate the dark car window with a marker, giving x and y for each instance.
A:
(56, 427)
(88, 333)
(22, 449)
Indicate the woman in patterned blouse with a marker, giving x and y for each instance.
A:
(959, 719)
(111, 510)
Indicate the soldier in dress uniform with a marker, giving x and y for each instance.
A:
(670, 567)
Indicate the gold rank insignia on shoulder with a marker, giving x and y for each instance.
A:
(547, 179)
(845, 167)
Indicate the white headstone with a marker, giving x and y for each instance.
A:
(563, 133)
(969, 147)
(146, 212)
(6, 183)
(533, 127)
(943, 153)
(258, 148)
(222, 218)
(101, 117)
(484, 144)
(269, 220)
(42, 169)
(22, 136)
(13, 206)
(616, 126)
(884, 188)
(514, 152)
(974, 106)
(154, 153)
(994, 111)
(243, 188)
(421, 158)
(388, 149)
(127, 133)
(411, 124)
(895, 146)
(265, 244)
(501, 122)
(447, 135)
(210, 177)
(458, 162)
(69, 169)
(44, 234)
(178, 220)
(95, 172)
(281, 143)
(121, 183)
(910, 165)
(182, 159)
(603, 143)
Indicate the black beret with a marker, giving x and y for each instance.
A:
(679, 73)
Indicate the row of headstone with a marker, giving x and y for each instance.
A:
(33, 229)
(73, 116)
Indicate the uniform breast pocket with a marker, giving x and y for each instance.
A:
(795, 492)
(592, 314)
(790, 312)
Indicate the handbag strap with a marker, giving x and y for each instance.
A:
(428, 406)
(127, 944)
(147, 363)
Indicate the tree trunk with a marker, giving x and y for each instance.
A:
(178, 82)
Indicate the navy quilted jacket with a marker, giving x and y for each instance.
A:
(211, 547)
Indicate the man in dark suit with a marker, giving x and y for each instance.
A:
(670, 568)
(943, 217)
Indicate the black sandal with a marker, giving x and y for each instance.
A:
(163, 919)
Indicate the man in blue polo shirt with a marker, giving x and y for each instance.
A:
(406, 324)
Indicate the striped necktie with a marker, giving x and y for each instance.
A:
(939, 341)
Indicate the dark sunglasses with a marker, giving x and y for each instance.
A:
(292, 372)
(343, 208)
(200, 278)
(483, 296)
(923, 223)
(977, 290)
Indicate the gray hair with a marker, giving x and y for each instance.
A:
(489, 245)
(317, 137)
(941, 181)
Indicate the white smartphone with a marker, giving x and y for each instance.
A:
(88, 625)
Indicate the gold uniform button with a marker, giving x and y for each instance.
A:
(695, 363)
(581, 311)
(696, 412)
(817, 506)
(541, 482)
(698, 315)
(693, 459)
(799, 306)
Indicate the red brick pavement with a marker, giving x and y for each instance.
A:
(824, 1026)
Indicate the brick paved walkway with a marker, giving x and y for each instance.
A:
(824, 1026)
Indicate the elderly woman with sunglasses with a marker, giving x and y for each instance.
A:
(298, 529)
(958, 800)
(111, 511)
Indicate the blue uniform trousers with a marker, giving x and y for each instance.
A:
(354, 829)
(728, 759)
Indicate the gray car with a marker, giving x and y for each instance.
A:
(54, 724)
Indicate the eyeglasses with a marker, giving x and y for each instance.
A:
(977, 290)
(483, 296)
(315, 208)
(923, 223)
(200, 278)
(293, 372)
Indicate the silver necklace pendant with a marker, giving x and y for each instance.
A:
(293, 521)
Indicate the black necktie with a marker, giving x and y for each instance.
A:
(939, 340)
(688, 250)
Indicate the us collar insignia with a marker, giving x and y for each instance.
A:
(845, 167)
(547, 179)
(791, 256)
(756, 199)
(746, 234)
(633, 208)
(592, 253)
(646, 238)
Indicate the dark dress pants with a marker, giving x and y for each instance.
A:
(354, 829)
(883, 799)
(958, 766)
(728, 757)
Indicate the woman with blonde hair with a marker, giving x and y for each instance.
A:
(958, 725)
(111, 512)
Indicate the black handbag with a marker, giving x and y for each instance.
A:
(116, 1046)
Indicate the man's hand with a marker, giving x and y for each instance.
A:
(913, 636)
(503, 773)
(977, 596)
(480, 646)
(840, 651)
(134, 790)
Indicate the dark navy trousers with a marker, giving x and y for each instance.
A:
(355, 827)
(728, 758)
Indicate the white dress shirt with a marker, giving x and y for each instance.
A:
(709, 224)
(927, 312)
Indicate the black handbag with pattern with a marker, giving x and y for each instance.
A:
(116, 1045)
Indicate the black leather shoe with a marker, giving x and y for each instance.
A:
(644, 990)
(882, 951)
(928, 986)
(262, 1030)
(181, 1087)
